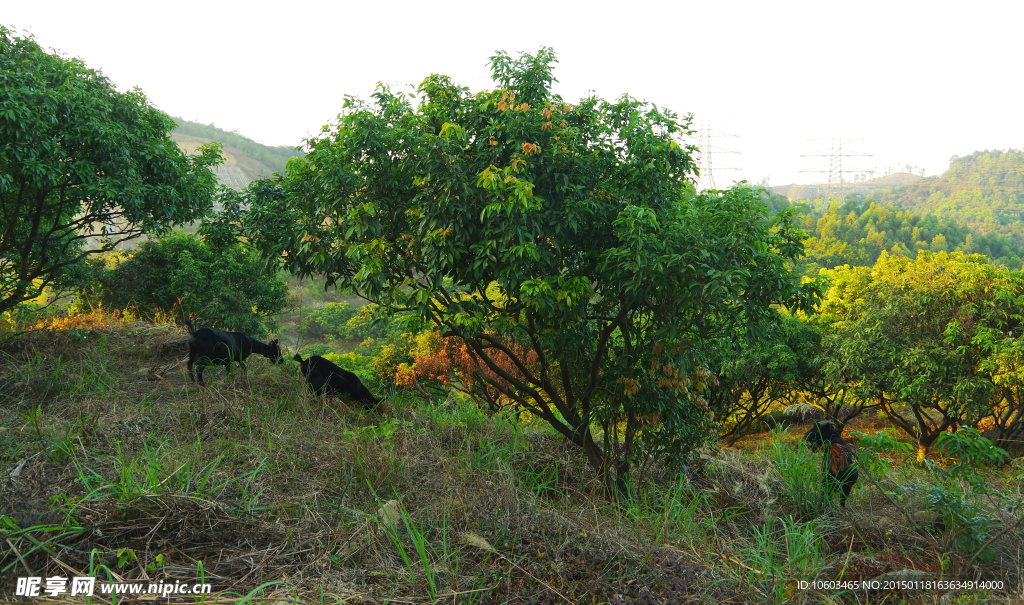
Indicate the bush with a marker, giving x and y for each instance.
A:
(317, 348)
(875, 450)
(970, 449)
(329, 322)
(224, 286)
(360, 365)
(389, 357)
(339, 321)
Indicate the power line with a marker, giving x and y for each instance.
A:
(707, 150)
(836, 187)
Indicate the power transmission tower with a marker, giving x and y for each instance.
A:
(706, 149)
(835, 189)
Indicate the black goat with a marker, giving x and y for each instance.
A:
(840, 470)
(323, 376)
(209, 347)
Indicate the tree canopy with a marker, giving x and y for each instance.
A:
(82, 168)
(562, 243)
(934, 341)
(857, 231)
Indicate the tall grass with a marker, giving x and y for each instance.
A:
(676, 513)
(801, 472)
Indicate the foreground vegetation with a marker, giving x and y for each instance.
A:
(262, 487)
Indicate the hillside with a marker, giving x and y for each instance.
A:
(984, 190)
(113, 461)
(245, 160)
(856, 232)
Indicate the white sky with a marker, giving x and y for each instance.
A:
(917, 82)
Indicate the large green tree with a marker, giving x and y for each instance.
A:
(934, 341)
(82, 168)
(564, 244)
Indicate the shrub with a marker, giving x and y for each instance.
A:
(970, 449)
(225, 286)
(317, 348)
(440, 363)
(389, 357)
(328, 322)
(360, 365)
(875, 451)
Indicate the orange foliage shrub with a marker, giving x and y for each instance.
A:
(450, 363)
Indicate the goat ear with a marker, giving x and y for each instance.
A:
(297, 358)
(274, 342)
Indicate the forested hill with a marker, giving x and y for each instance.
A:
(984, 190)
(245, 160)
(856, 232)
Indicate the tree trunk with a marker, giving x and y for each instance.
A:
(622, 477)
(596, 459)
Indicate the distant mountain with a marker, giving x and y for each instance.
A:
(984, 191)
(245, 160)
(865, 188)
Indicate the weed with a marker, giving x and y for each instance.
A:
(386, 520)
(783, 552)
(26, 542)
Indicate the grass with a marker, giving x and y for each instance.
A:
(800, 469)
(273, 494)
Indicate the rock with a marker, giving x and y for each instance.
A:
(803, 412)
(389, 515)
(176, 346)
(926, 517)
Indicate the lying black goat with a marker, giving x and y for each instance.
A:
(840, 470)
(323, 376)
(209, 347)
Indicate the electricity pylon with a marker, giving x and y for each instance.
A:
(836, 186)
(706, 150)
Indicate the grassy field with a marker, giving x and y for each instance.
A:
(115, 466)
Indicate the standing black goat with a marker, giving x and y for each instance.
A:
(323, 376)
(840, 470)
(209, 347)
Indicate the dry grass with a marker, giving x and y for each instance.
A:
(262, 482)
